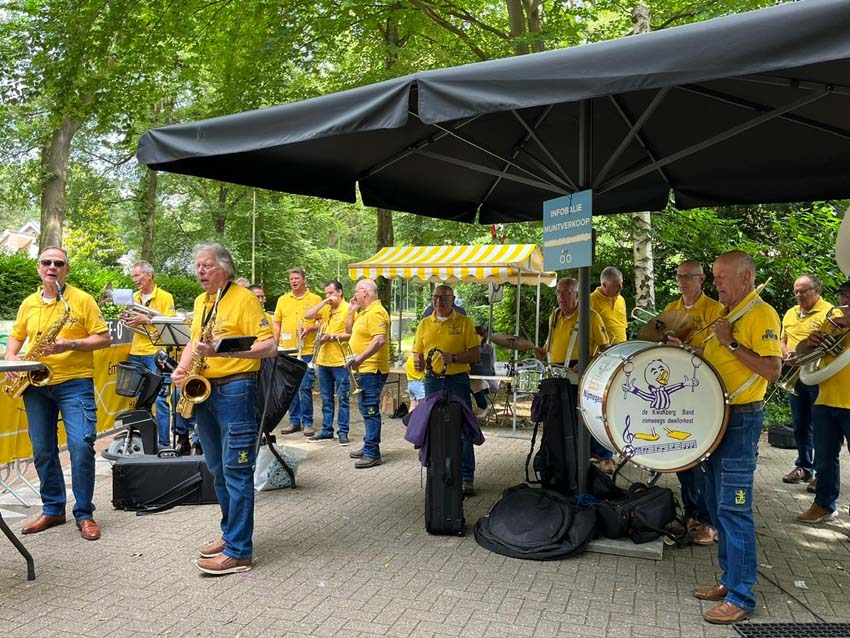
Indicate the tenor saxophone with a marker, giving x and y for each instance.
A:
(42, 377)
(196, 388)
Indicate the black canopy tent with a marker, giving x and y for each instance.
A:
(750, 108)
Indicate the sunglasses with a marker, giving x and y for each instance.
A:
(52, 262)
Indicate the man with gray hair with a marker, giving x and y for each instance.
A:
(368, 323)
(607, 301)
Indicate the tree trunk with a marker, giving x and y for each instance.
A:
(517, 22)
(147, 212)
(532, 12)
(219, 215)
(642, 222)
(54, 166)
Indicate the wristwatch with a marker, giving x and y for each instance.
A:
(733, 345)
(73, 345)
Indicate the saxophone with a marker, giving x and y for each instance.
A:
(196, 388)
(38, 378)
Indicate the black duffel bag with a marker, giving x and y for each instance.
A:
(643, 514)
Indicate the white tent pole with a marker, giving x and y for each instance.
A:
(537, 315)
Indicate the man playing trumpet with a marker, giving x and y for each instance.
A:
(745, 352)
(334, 377)
(830, 415)
(797, 324)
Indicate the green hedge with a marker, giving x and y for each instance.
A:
(19, 278)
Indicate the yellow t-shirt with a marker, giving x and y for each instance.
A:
(163, 303)
(236, 316)
(332, 322)
(833, 392)
(35, 317)
(411, 372)
(560, 335)
(369, 322)
(758, 330)
(289, 313)
(456, 334)
(796, 328)
(703, 313)
(613, 313)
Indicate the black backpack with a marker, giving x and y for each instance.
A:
(555, 462)
(642, 513)
(536, 524)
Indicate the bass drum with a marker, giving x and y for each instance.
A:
(660, 406)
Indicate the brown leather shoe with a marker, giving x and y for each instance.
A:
(43, 522)
(726, 613)
(213, 549)
(223, 564)
(706, 535)
(715, 592)
(89, 529)
(816, 514)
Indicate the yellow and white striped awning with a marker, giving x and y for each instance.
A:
(486, 264)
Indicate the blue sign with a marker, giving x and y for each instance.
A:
(567, 231)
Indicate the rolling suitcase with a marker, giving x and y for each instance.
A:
(444, 482)
(147, 484)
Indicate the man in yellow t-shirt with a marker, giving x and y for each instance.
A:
(334, 377)
(798, 323)
(143, 350)
(294, 332)
(227, 421)
(703, 311)
(368, 323)
(561, 348)
(79, 329)
(607, 301)
(745, 352)
(830, 416)
(454, 334)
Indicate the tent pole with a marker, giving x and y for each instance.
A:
(537, 315)
(516, 332)
(584, 181)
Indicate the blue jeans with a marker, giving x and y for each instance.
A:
(369, 402)
(228, 429)
(335, 381)
(729, 496)
(75, 400)
(163, 412)
(456, 385)
(301, 409)
(692, 482)
(801, 419)
(832, 426)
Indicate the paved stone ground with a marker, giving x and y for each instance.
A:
(346, 554)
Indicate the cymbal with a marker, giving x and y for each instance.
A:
(512, 342)
(674, 323)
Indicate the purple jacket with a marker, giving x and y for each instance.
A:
(417, 424)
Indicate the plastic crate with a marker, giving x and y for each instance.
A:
(132, 377)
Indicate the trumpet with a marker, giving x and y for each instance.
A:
(299, 337)
(124, 297)
(347, 357)
(317, 344)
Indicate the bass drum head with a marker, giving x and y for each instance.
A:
(660, 406)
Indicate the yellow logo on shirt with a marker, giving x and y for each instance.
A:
(740, 497)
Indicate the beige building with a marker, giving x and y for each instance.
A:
(25, 239)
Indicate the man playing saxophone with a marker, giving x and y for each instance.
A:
(227, 423)
(830, 414)
(76, 328)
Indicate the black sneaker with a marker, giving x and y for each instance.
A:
(318, 437)
(356, 454)
(343, 440)
(367, 461)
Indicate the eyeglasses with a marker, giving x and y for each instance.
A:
(803, 291)
(436, 298)
(691, 276)
(52, 262)
(205, 267)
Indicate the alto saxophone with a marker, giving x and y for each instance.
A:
(196, 387)
(42, 377)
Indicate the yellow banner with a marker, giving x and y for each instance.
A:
(14, 439)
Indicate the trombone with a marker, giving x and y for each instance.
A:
(347, 357)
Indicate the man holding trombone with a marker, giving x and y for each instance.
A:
(797, 324)
(329, 358)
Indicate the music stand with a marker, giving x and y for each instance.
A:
(19, 366)
(171, 331)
